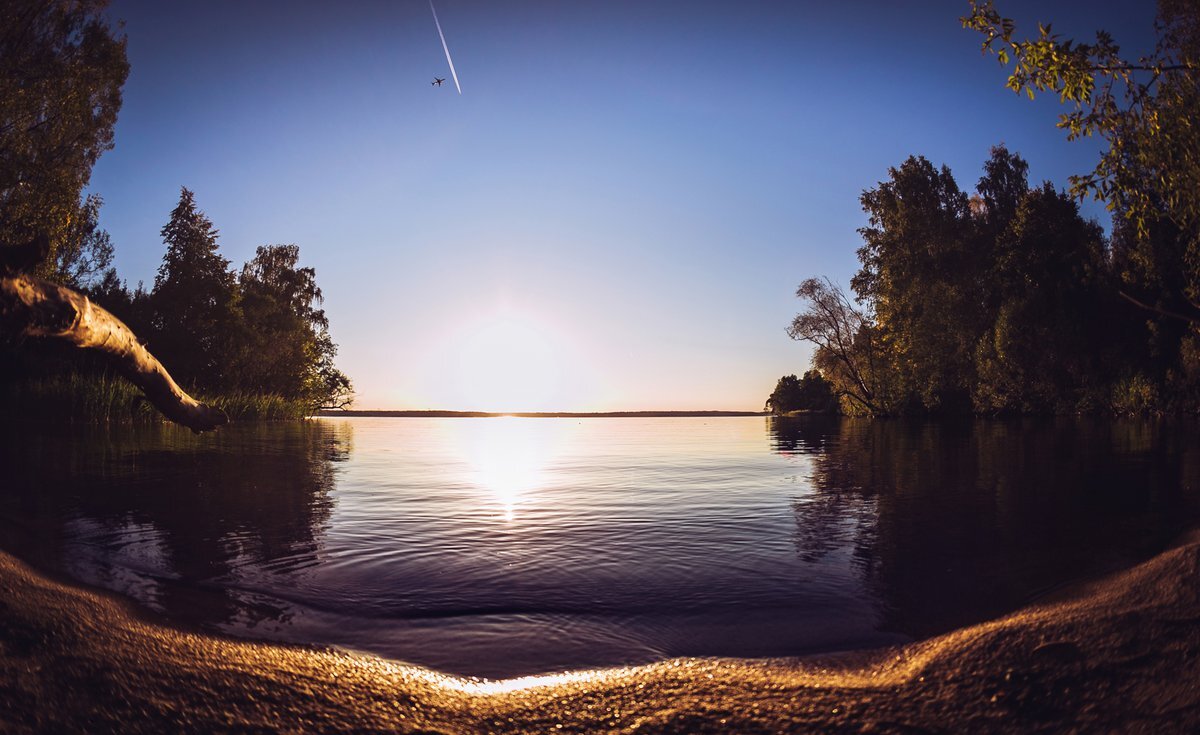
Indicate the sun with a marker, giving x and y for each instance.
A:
(507, 362)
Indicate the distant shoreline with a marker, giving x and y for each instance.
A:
(538, 414)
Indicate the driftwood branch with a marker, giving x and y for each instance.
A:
(32, 307)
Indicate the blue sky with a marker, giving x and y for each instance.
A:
(614, 214)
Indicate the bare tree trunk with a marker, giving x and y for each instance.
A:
(32, 307)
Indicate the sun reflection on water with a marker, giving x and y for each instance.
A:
(509, 458)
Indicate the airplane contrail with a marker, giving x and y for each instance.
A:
(449, 60)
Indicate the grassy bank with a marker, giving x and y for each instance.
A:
(106, 398)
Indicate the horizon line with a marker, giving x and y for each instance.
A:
(437, 413)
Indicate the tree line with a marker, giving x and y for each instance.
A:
(1005, 300)
(259, 330)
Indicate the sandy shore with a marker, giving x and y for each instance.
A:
(1118, 655)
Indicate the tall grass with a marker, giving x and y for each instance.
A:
(258, 406)
(75, 396)
(103, 397)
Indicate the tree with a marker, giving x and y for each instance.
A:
(785, 397)
(1003, 186)
(1145, 110)
(995, 303)
(1042, 349)
(194, 303)
(810, 393)
(848, 351)
(919, 276)
(61, 73)
(1148, 172)
(85, 251)
(286, 348)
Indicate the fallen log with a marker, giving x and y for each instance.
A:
(33, 307)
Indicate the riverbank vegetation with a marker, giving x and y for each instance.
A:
(1004, 299)
(811, 394)
(255, 342)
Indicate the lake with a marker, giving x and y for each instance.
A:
(500, 547)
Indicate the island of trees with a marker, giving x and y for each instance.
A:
(254, 342)
(1004, 299)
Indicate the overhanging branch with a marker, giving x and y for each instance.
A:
(1157, 310)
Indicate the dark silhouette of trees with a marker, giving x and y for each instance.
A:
(1000, 302)
(1042, 348)
(1148, 174)
(810, 393)
(849, 353)
(286, 347)
(259, 332)
(84, 254)
(61, 73)
(785, 397)
(194, 309)
(918, 261)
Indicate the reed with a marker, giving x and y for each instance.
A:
(258, 406)
(102, 398)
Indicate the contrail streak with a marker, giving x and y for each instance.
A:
(449, 60)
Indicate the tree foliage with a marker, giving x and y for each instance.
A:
(260, 331)
(84, 255)
(287, 348)
(1041, 350)
(810, 393)
(1007, 300)
(194, 304)
(916, 251)
(61, 73)
(1148, 174)
(1144, 109)
(848, 352)
(986, 302)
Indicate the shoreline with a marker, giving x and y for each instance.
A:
(437, 414)
(1121, 653)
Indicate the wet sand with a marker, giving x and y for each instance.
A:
(1121, 654)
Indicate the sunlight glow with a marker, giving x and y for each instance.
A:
(509, 457)
(507, 363)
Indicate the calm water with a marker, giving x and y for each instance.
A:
(499, 547)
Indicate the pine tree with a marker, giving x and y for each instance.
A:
(195, 299)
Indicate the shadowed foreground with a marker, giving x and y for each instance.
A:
(1121, 654)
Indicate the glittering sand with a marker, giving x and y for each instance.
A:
(1117, 655)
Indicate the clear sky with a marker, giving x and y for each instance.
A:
(616, 211)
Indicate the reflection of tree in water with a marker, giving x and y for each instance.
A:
(210, 506)
(954, 522)
(838, 516)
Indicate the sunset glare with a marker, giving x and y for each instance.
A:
(508, 458)
(506, 360)
(506, 363)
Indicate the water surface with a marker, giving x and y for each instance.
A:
(505, 546)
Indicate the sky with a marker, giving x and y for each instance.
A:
(616, 211)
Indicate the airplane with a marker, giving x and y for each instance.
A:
(437, 81)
